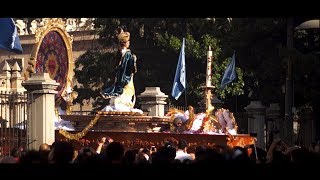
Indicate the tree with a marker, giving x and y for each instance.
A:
(156, 41)
(196, 50)
(258, 43)
(93, 71)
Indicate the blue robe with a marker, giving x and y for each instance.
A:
(124, 71)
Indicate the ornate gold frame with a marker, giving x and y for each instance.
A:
(58, 25)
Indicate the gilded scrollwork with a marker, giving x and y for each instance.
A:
(53, 27)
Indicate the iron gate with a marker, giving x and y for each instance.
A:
(14, 109)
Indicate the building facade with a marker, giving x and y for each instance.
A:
(13, 66)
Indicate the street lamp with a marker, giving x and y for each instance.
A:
(314, 26)
(310, 24)
(288, 130)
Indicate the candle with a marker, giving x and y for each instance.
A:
(208, 74)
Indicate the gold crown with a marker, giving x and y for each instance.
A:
(124, 37)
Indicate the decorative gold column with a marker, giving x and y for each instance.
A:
(208, 87)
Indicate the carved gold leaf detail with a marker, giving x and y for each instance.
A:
(49, 23)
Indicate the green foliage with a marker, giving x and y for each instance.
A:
(233, 88)
(260, 56)
(93, 71)
(196, 52)
(162, 38)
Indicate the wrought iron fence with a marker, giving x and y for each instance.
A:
(13, 121)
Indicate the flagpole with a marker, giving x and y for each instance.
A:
(185, 89)
(185, 98)
(230, 73)
(179, 84)
(236, 103)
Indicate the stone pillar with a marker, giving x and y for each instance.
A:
(41, 92)
(16, 79)
(307, 127)
(152, 101)
(5, 77)
(256, 121)
(274, 122)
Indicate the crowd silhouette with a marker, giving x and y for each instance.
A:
(171, 158)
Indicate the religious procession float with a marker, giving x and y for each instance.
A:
(119, 120)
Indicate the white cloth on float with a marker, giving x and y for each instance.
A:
(121, 108)
(60, 123)
(116, 105)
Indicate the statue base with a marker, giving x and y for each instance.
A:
(110, 121)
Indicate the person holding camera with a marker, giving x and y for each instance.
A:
(103, 143)
(277, 152)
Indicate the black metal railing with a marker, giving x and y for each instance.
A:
(13, 121)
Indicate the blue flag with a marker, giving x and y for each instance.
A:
(9, 39)
(179, 83)
(230, 73)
